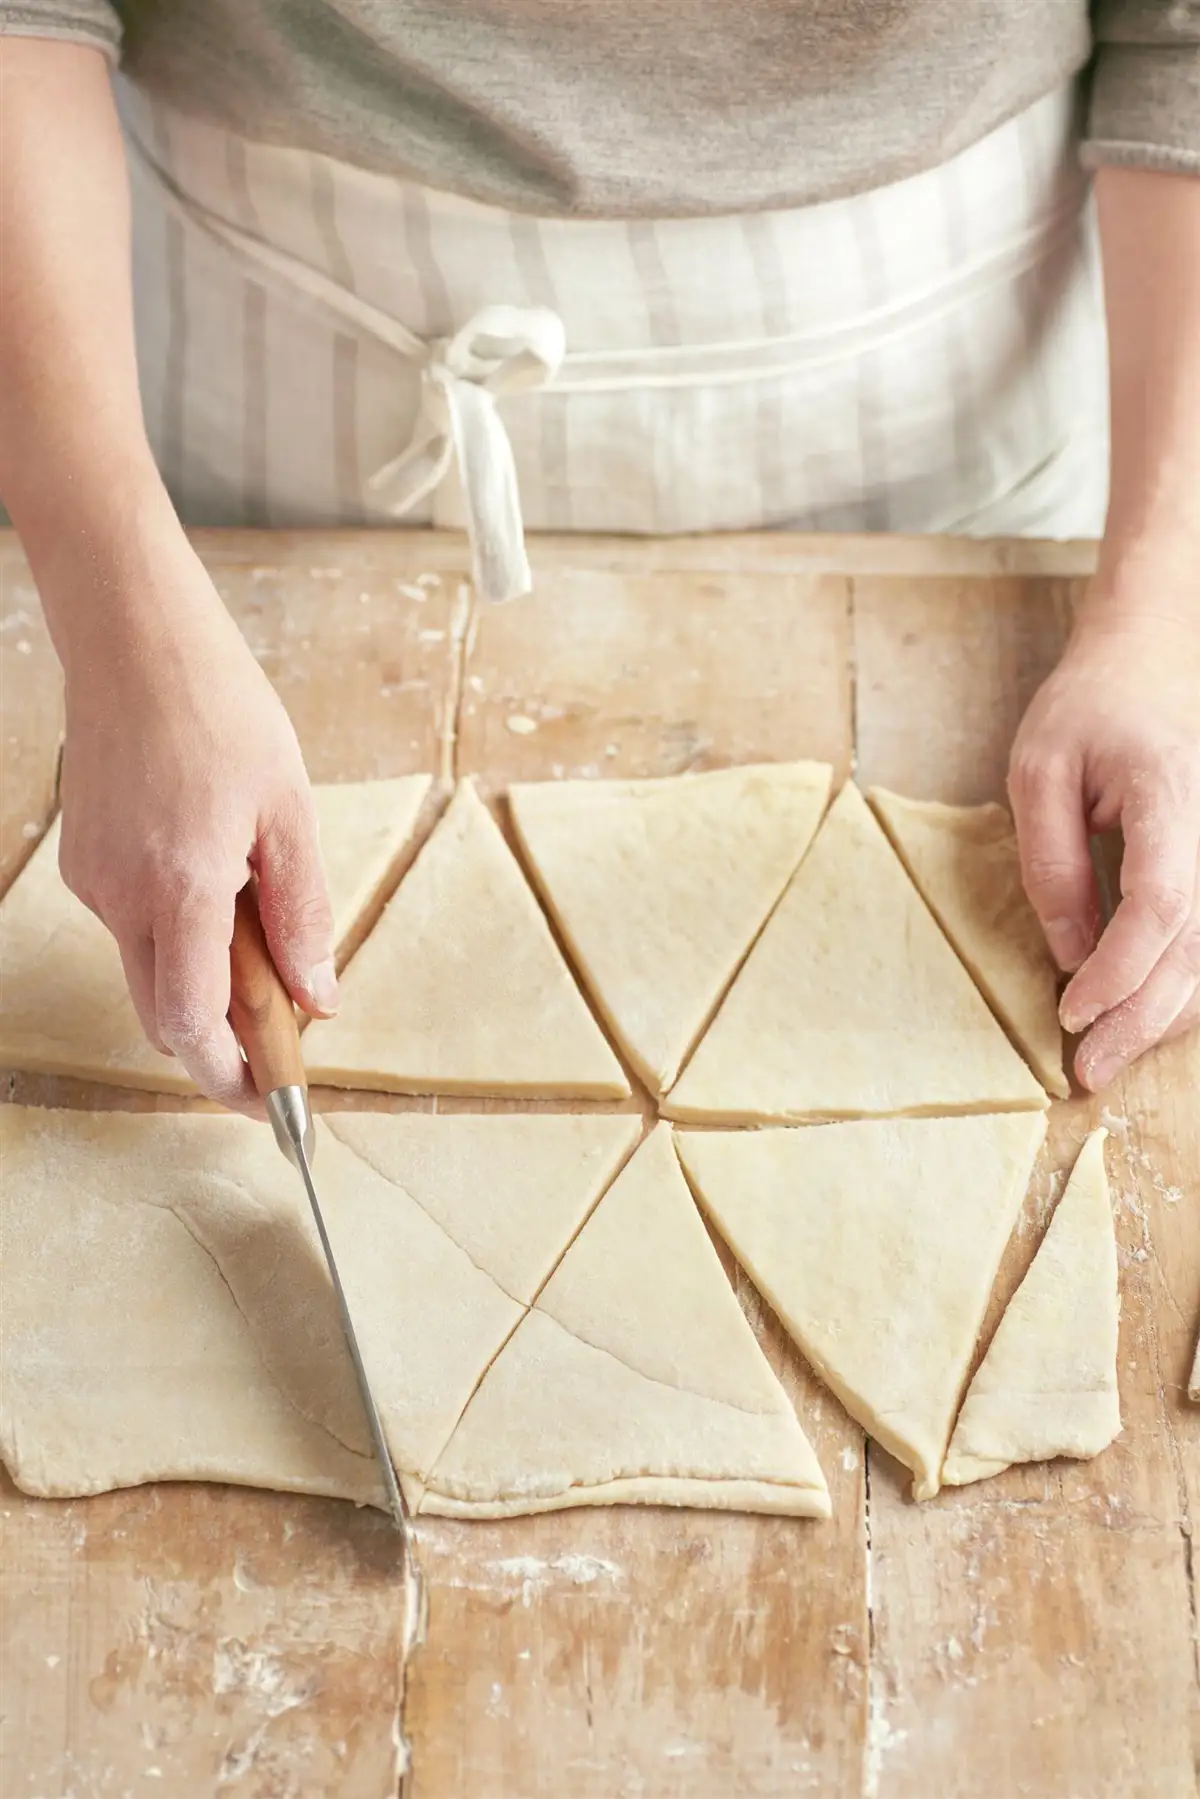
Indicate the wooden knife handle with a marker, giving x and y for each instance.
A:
(260, 1006)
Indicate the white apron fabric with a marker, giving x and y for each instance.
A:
(320, 345)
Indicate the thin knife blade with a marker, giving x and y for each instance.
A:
(391, 1486)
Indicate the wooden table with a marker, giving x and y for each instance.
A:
(1034, 1635)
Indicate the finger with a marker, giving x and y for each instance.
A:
(293, 902)
(1158, 887)
(1056, 866)
(191, 965)
(1127, 1032)
(137, 959)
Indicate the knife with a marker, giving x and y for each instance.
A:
(264, 1022)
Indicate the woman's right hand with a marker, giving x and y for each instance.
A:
(181, 769)
(182, 772)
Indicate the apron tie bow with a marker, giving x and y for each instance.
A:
(502, 350)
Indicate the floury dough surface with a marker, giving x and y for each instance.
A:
(165, 1314)
(67, 1009)
(635, 1378)
(1048, 1383)
(877, 1243)
(660, 887)
(851, 1004)
(461, 987)
(967, 866)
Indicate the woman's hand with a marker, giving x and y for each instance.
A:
(1113, 737)
(181, 772)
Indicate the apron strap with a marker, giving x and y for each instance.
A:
(502, 350)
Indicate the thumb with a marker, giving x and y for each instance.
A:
(293, 902)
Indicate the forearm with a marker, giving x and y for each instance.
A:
(1150, 232)
(76, 472)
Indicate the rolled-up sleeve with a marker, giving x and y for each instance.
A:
(95, 22)
(1145, 97)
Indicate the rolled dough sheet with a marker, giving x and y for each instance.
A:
(511, 1189)
(125, 1358)
(165, 1312)
(67, 1009)
(461, 987)
(660, 887)
(851, 1004)
(877, 1242)
(966, 863)
(634, 1378)
(1048, 1383)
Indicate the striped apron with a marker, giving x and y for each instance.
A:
(322, 345)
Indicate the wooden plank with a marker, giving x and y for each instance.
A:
(600, 674)
(189, 1639)
(195, 1640)
(363, 658)
(651, 1651)
(973, 652)
(31, 713)
(1034, 1634)
(403, 554)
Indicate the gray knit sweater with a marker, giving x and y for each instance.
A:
(599, 108)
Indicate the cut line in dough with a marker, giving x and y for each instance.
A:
(877, 1243)
(966, 863)
(851, 1004)
(659, 887)
(634, 1378)
(166, 1313)
(1048, 1383)
(67, 1009)
(461, 987)
(125, 1356)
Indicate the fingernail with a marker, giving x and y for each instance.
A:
(1102, 1072)
(323, 985)
(1068, 943)
(1076, 1018)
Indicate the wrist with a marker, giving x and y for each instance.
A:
(120, 584)
(1146, 582)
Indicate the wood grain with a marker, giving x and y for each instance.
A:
(605, 675)
(1029, 1638)
(1045, 1614)
(195, 1641)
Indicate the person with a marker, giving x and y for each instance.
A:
(630, 267)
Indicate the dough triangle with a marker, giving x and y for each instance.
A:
(365, 826)
(660, 887)
(66, 1008)
(461, 988)
(877, 1242)
(634, 1378)
(166, 1312)
(851, 1003)
(510, 1188)
(1048, 1383)
(965, 861)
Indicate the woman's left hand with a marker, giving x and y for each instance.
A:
(1113, 737)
